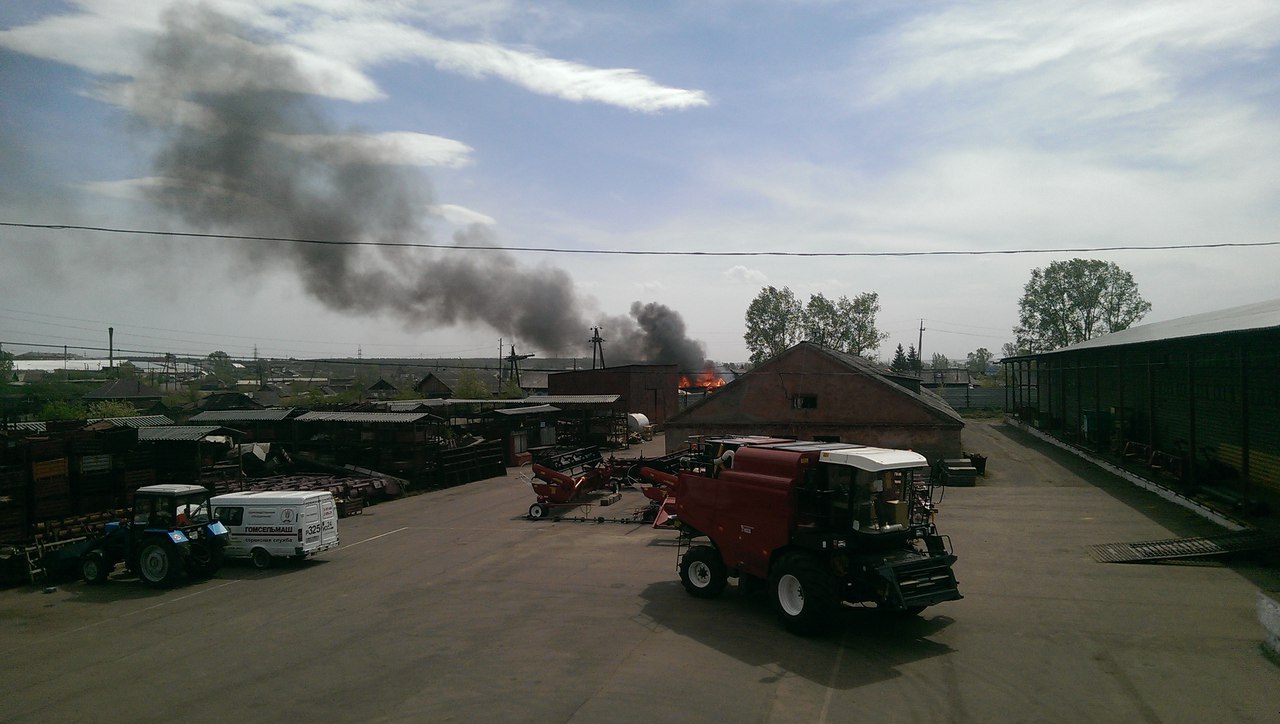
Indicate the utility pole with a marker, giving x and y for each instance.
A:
(920, 345)
(597, 348)
(500, 378)
(111, 347)
(514, 359)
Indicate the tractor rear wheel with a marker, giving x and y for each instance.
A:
(804, 595)
(702, 572)
(94, 568)
(159, 564)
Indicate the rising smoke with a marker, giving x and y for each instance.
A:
(231, 111)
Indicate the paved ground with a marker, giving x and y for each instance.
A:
(450, 606)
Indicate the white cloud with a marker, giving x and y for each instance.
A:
(743, 275)
(331, 45)
(461, 215)
(398, 148)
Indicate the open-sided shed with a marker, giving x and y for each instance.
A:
(1195, 399)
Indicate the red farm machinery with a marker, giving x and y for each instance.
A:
(819, 524)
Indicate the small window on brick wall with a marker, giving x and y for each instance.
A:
(804, 402)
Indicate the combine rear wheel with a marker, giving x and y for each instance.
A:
(804, 595)
(702, 572)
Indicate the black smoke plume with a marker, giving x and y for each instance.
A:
(232, 109)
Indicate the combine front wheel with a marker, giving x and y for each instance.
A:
(804, 595)
(537, 511)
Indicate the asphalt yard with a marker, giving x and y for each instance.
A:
(450, 605)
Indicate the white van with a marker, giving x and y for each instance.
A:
(277, 524)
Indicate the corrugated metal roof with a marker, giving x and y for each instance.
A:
(392, 417)
(176, 433)
(27, 426)
(272, 414)
(412, 405)
(1262, 315)
(571, 399)
(535, 410)
(134, 421)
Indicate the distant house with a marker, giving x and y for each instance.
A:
(442, 383)
(230, 401)
(652, 390)
(810, 392)
(381, 390)
(134, 392)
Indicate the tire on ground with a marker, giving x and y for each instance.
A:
(804, 595)
(703, 572)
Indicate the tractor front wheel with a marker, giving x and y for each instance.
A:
(94, 568)
(159, 564)
(702, 572)
(804, 595)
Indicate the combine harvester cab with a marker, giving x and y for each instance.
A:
(822, 523)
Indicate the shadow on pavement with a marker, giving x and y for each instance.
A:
(864, 647)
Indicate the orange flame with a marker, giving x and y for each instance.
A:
(707, 379)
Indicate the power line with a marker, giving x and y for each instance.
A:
(642, 252)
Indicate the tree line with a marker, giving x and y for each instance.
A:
(1062, 304)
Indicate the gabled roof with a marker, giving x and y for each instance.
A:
(863, 367)
(124, 390)
(1249, 317)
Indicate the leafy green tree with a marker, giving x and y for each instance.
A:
(940, 362)
(110, 408)
(773, 323)
(1072, 301)
(510, 390)
(1009, 349)
(61, 410)
(6, 368)
(979, 360)
(221, 366)
(900, 363)
(471, 387)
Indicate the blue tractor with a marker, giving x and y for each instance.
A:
(170, 531)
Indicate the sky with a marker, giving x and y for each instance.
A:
(426, 137)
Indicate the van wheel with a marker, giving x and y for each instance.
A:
(702, 572)
(261, 558)
(804, 595)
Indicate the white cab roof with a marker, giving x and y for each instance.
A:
(271, 497)
(874, 459)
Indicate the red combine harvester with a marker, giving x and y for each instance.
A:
(822, 523)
